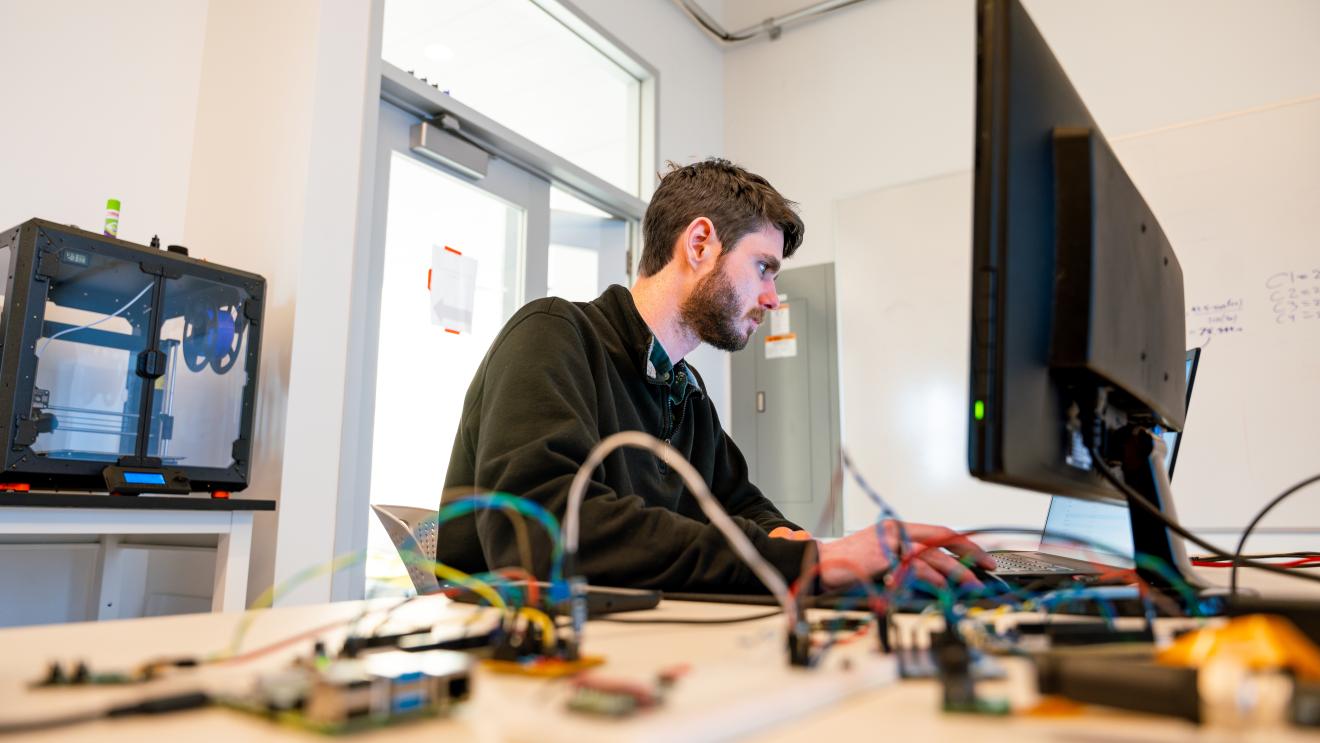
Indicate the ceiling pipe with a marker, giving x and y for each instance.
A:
(772, 27)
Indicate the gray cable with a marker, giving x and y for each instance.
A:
(94, 323)
(742, 546)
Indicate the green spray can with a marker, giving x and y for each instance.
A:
(112, 217)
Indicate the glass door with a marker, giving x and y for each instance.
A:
(588, 249)
(497, 224)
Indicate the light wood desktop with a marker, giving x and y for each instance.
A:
(743, 665)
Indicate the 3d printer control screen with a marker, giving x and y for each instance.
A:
(144, 478)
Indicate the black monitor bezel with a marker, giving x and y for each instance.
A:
(1016, 407)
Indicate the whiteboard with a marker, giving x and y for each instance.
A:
(1239, 199)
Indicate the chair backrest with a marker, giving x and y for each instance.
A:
(413, 531)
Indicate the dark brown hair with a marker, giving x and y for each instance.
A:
(735, 201)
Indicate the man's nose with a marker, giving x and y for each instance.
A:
(770, 298)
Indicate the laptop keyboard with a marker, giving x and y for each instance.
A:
(1008, 562)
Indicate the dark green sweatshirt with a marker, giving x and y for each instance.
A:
(560, 377)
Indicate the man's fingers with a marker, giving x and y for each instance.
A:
(917, 570)
(948, 565)
(964, 547)
(784, 532)
(955, 543)
(924, 571)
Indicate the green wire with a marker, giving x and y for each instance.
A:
(450, 511)
(495, 500)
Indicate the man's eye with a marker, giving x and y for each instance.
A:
(761, 266)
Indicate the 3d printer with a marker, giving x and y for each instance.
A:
(125, 368)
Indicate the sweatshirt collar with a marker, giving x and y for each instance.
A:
(642, 344)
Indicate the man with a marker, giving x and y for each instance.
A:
(562, 376)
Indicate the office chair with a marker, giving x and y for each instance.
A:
(413, 531)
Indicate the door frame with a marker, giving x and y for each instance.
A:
(506, 182)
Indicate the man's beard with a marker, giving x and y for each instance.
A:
(712, 312)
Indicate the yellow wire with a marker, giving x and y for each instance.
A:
(478, 587)
(547, 625)
(267, 597)
(455, 575)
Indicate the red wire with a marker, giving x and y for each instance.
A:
(838, 562)
(904, 566)
(1229, 563)
(258, 652)
(533, 588)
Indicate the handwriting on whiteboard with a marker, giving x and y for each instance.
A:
(1294, 296)
(1204, 321)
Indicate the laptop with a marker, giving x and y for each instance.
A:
(1106, 524)
(601, 600)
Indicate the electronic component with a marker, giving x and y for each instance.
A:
(542, 667)
(954, 663)
(134, 368)
(1121, 681)
(1063, 633)
(349, 695)
(601, 600)
(528, 648)
(621, 698)
(78, 673)
(1078, 328)
(799, 645)
(213, 332)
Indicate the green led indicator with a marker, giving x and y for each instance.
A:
(978, 410)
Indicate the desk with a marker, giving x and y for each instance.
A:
(516, 709)
(115, 517)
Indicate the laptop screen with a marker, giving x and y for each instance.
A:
(1106, 524)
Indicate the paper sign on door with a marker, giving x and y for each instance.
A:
(779, 321)
(781, 346)
(453, 289)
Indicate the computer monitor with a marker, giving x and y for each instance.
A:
(1173, 439)
(1107, 524)
(1077, 297)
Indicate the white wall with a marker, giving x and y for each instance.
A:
(277, 152)
(228, 127)
(101, 101)
(881, 94)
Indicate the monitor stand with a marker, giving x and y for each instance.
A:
(1143, 457)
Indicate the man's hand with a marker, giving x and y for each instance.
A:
(932, 564)
(796, 535)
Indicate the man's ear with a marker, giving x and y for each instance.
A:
(699, 243)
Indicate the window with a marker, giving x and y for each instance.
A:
(588, 249)
(516, 63)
